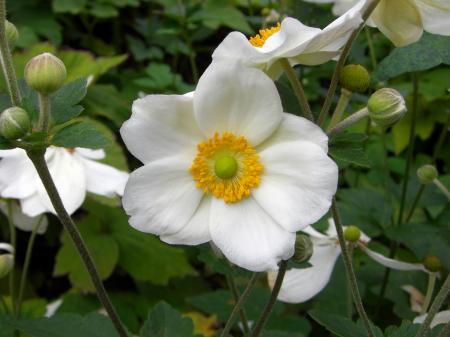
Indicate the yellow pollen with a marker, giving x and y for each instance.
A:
(249, 169)
(259, 39)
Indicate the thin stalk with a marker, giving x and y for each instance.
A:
(349, 287)
(429, 294)
(298, 89)
(350, 120)
(373, 57)
(44, 112)
(236, 296)
(445, 331)
(350, 272)
(442, 188)
(260, 324)
(441, 140)
(239, 305)
(415, 202)
(340, 108)
(440, 298)
(12, 273)
(43, 172)
(6, 59)
(26, 264)
(5, 306)
(340, 63)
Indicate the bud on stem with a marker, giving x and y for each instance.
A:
(386, 107)
(45, 73)
(14, 123)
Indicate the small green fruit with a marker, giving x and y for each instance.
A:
(303, 248)
(386, 107)
(432, 263)
(14, 123)
(45, 73)
(355, 78)
(426, 174)
(352, 233)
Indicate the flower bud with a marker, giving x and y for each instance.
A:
(303, 248)
(6, 259)
(12, 35)
(355, 78)
(352, 233)
(14, 123)
(386, 107)
(427, 173)
(432, 263)
(45, 73)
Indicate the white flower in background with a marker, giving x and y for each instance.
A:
(290, 40)
(403, 21)
(23, 221)
(74, 172)
(442, 317)
(226, 164)
(300, 285)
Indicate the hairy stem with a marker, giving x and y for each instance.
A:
(350, 120)
(340, 108)
(442, 188)
(373, 57)
(349, 286)
(44, 112)
(12, 273)
(236, 296)
(429, 294)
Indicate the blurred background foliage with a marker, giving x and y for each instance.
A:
(128, 48)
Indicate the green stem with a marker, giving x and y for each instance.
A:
(442, 188)
(44, 112)
(415, 202)
(349, 287)
(239, 305)
(6, 59)
(298, 89)
(429, 294)
(340, 63)
(26, 264)
(42, 169)
(236, 296)
(373, 57)
(12, 273)
(260, 324)
(350, 272)
(344, 99)
(441, 140)
(440, 298)
(5, 306)
(350, 120)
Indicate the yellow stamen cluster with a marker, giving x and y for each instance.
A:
(248, 174)
(259, 39)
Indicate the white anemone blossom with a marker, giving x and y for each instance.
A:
(403, 21)
(225, 164)
(74, 172)
(291, 40)
(21, 220)
(441, 317)
(300, 285)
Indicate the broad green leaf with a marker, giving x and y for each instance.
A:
(349, 147)
(64, 102)
(6, 326)
(164, 321)
(68, 6)
(82, 134)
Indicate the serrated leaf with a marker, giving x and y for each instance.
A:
(80, 135)
(349, 147)
(164, 321)
(64, 102)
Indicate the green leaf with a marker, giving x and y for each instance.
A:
(164, 321)
(5, 144)
(64, 102)
(349, 148)
(68, 6)
(83, 134)
(7, 326)
(430, 51)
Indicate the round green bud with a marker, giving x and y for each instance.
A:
(225, 167)
(386, 107)
(303, 248)
(6, 259)
(45, 73)
(427, 173)
(14, 123)
(432, 263)
(12, 35)
(265, 11)
(352, 233)
(355, 78)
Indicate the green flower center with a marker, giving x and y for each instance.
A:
(225, 167)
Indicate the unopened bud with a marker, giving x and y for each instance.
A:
(45, 73)
(6, 259)
(303, 248)
(427, 174)
(352, 233)
(12, 35)
(386, 107)
(14, 123)
(432, 263)
(355, 78)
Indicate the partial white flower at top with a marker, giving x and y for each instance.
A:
(23, 221)
(226, 164)
(290, 40)
(442, 317)
(403, 21)
(74, 172)
(300, 285)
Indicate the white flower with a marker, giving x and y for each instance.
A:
(442, 317)
(403, 21)
(226, 164)
(300, 285)
(74, 172)
(23, 221)
(292, 40)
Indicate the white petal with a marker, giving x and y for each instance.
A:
(52, 308)
(435, 16)
(300, 285)
(161, 197)
(391, 263)
(7, 247)
(248, 236)
(34, 205)
(17, 175)
(161, 126)
(343, 6)
(233, 98)
(196, 231)
(104, 179)
(313, 233)
(297, 185)
(23, 221)
(440, 318)
(90, 154)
